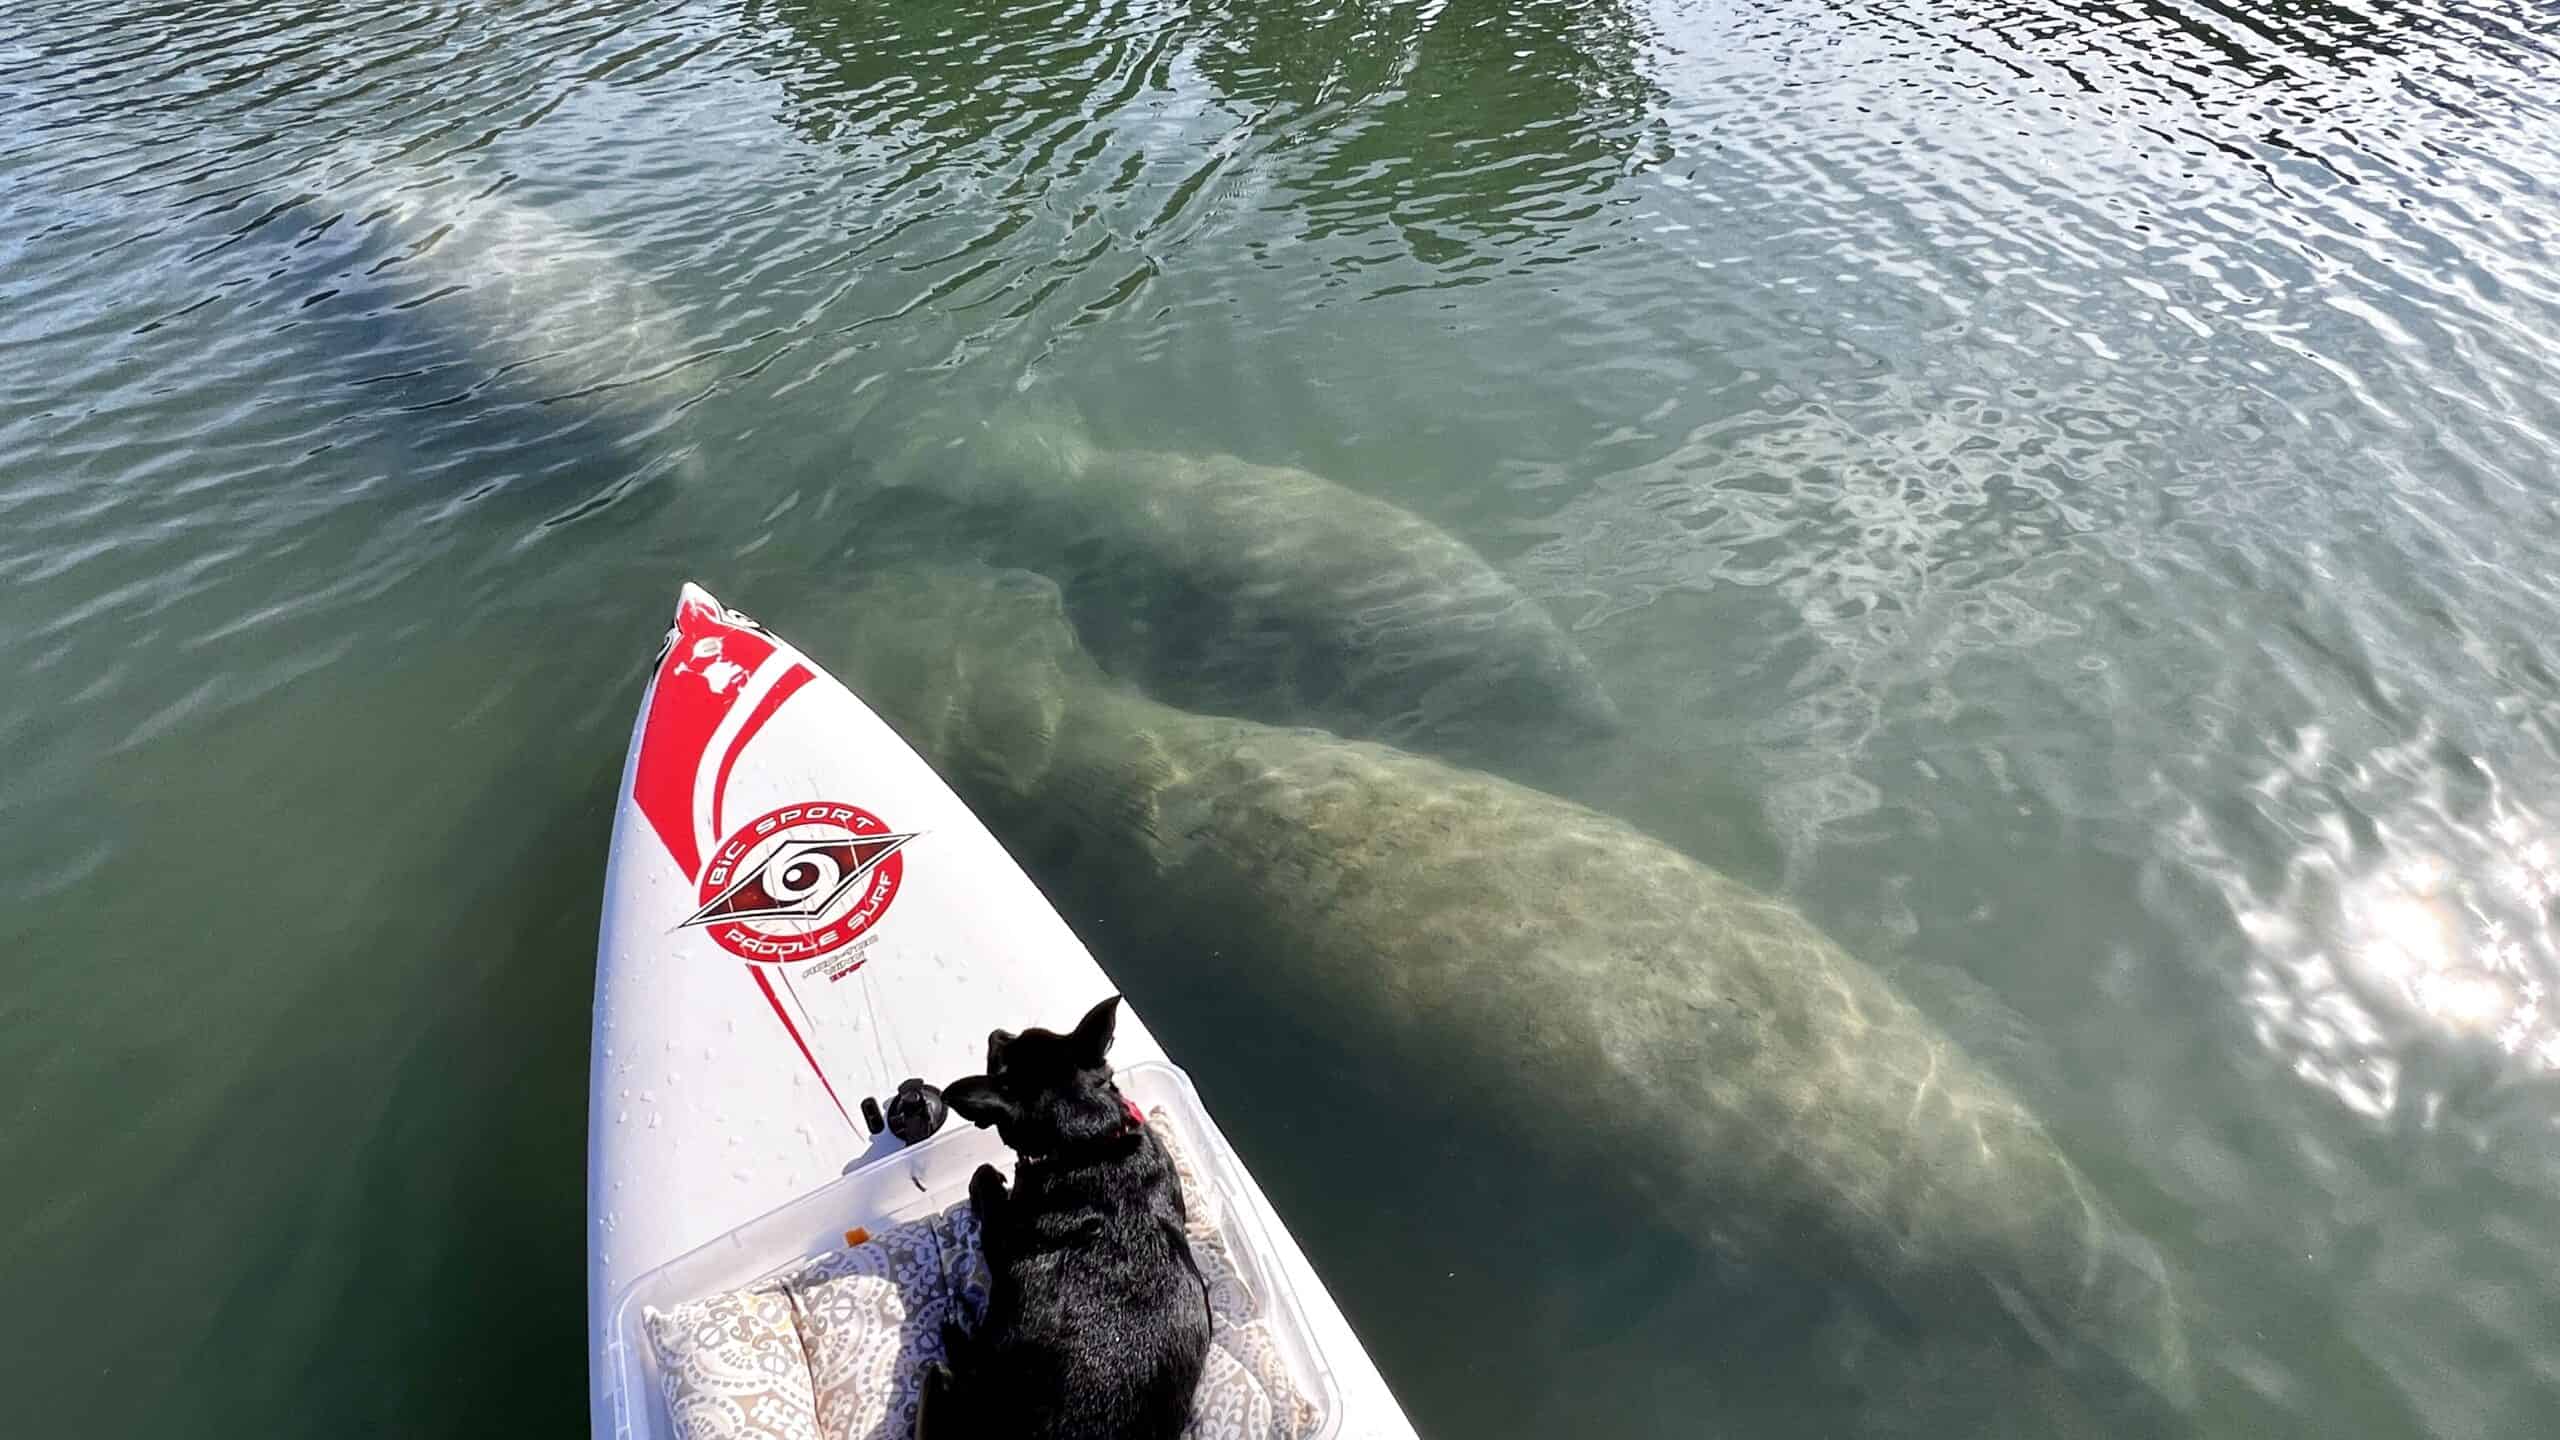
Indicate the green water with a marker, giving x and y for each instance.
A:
(2062, 491)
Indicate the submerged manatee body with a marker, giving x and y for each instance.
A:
(544, 324)
(1271, 590)
(549, 299)
(1639, 1015)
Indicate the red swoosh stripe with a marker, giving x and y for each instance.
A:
(764, 982)
(683, 712)
(783, 689)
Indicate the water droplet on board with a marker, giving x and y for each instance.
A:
(648, 1097)
(622, 1119)
(653, 1119)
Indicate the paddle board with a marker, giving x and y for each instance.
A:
(798, 914)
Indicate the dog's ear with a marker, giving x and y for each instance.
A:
(1092, 1035)
(976, 1099)
(996, 1041)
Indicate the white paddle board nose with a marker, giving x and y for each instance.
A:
(797, 913)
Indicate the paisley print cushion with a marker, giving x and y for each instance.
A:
(732, 1368)
(871, 1317)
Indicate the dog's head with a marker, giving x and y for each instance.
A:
(1046, 1092)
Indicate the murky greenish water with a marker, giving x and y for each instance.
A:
(2062, 491)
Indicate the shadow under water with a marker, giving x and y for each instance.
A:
(1470, 134)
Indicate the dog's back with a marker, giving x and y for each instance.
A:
(1097, 1321)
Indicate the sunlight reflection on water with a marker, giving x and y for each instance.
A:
(2444, 943)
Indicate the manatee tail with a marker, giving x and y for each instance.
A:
(2141, 1331)
(1036, 437)
(981, 670)
(1027, 446)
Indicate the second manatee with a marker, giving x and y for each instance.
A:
(1269, 590)
(1621, 1007)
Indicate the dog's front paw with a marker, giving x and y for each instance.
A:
(986, 1191)
(934, 1419)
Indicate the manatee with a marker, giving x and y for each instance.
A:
(545, 300)
(1219, 583)
(1643, 1017)
(543, 324)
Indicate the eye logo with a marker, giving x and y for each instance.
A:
(798, 882)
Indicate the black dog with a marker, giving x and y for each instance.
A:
(1097, 1319)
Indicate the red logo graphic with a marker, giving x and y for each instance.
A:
(801, 881)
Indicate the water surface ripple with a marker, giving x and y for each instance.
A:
(2062, 489)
